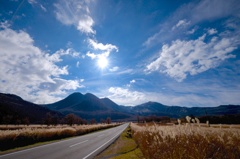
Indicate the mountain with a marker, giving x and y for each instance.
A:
(154, 108)
(89, 106)
(13, 108)
(158, 109)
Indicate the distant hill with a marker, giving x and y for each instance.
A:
(154, 108)
(88, 106)
(13, 108)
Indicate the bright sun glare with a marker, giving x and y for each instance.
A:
(102, 62)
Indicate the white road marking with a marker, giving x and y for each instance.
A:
(102, 145)
(78, 143)
(41, 146)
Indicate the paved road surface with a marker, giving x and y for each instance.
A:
(82, 147)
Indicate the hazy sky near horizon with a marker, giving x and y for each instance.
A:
(183, 52)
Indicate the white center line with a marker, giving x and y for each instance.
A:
(78, 143)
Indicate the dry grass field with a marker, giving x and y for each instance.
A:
(16, 136)
(190, 141)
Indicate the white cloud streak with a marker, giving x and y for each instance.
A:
(212, 31)
(181, 23)
(114, 69)
(201, 11)
(74, 12)
(35, 3)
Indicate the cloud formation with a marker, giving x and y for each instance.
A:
(30, 72)
(192, 57)
(125, 96)
(181, 23)
(201, 11)
(77, 13)
(103, 50)
(212, 31)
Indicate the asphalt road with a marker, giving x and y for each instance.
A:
(82, 147)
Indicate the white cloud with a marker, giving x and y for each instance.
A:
(212, 31)
(43, 8)
(114, 69)
(85, 25)
(105, 50)
(133, 81)
(74, 12)
(201, 11)
(56, 57)
(35, 3)
(32, 1)
(192, 31)
(25, 68)
(214, 9)
(91, 55)
(77, 64)
(181, 23)
(213, 95)
(130, 83)
(126, 71)
(125, 96)
(101, 46)
(192, 57)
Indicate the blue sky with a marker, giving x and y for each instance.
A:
(174, 52)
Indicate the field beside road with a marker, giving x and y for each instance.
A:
(12, 136)
(187, 141)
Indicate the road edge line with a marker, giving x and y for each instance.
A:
(103, 145)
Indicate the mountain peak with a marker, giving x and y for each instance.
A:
(75, 94)
(151, 103)
(90, 95)
(12, 96)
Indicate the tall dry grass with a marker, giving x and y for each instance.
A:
(186, 142)
(32, 134)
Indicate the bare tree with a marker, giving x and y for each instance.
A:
(48, 119)
(109, 120)
(93, 121)
(70, 119)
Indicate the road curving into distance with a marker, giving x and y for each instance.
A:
(82, 147)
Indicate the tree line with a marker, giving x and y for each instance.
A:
(52, 119)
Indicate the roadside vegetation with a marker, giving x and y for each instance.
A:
(124, 147)
(18, 136)
(187, 140)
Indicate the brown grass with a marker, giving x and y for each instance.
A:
(187, 141)
(26, 135)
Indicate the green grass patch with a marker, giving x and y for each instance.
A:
(124, 147)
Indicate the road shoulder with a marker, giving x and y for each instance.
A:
(123, 147)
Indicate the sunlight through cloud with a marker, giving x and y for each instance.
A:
(102, 62)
